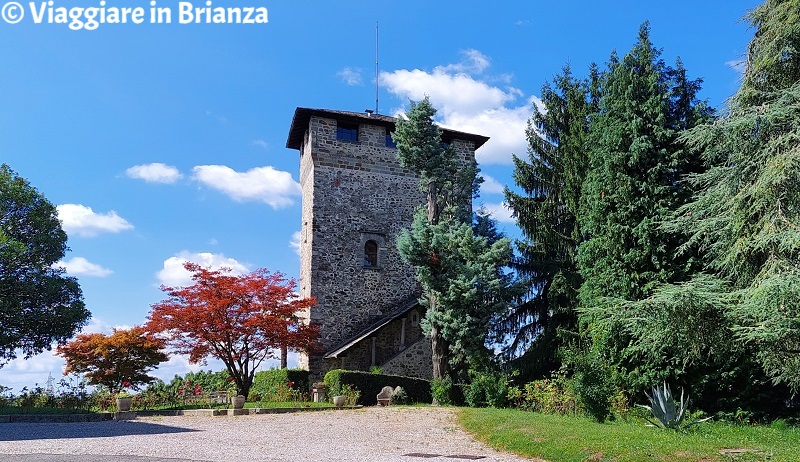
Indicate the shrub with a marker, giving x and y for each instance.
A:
(594, 386)
(399, 396)
(486, 389)
(278, 385)
(548, 396)
(70, 396)
(190, 391)
(369, 384)
(442, 391)
(351, 395)
(207, 381)
(333, 380)
(621, 405)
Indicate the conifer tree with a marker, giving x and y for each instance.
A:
(551, 180)
(746, 218)
(458, 270)
(634, 182)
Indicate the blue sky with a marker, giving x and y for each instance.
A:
(166, 142)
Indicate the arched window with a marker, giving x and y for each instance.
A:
(371, 253)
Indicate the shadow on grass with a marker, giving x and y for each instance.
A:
(50, 431)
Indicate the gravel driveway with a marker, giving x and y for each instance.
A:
(370, 434)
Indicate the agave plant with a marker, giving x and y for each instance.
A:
(667, 412)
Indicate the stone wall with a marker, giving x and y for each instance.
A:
(414, 361)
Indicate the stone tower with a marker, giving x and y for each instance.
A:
(356, 200)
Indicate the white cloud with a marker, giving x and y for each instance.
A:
(452, 92)
(21, 372)
(474, 61)
(262, 184)
(79, 266)
(261, 144)
(738, 65)
(295, 242)
(351, 76)
(173, 274)
(470, 104)
(491, 186)
(83, 221)
(97, 325)
(500, 212)
(155, 172)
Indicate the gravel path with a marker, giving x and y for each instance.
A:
(370, 434)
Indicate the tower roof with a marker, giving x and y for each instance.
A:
(303, 115)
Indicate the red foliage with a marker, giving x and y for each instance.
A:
(117, 361)
(241, 320)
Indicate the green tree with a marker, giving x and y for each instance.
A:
(551, 180)
(746, 218)
(636, 179)
(39, 306)
(637, 165)
(458, 270)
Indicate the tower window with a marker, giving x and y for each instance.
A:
(390, 141)
(371, 253)
(347, 132)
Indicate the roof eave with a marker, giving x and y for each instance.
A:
(302, 117)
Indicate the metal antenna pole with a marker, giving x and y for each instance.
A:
(377, 76)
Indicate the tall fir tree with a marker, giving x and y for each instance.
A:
(635, 181)
(551, 180)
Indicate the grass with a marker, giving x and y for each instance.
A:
(562, 438)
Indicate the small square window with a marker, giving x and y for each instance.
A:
(347, 132)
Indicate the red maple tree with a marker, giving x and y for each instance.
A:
(240, 320)
(116, 361)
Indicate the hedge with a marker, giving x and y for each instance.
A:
(369, 384)
(267, 383)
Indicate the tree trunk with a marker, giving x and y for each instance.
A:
(284, 353)
(244, 388)
(242, 381)
(433, 204)
(441, 361)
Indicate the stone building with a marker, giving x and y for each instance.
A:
(356, 200)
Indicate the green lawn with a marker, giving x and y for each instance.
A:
(559, 438)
